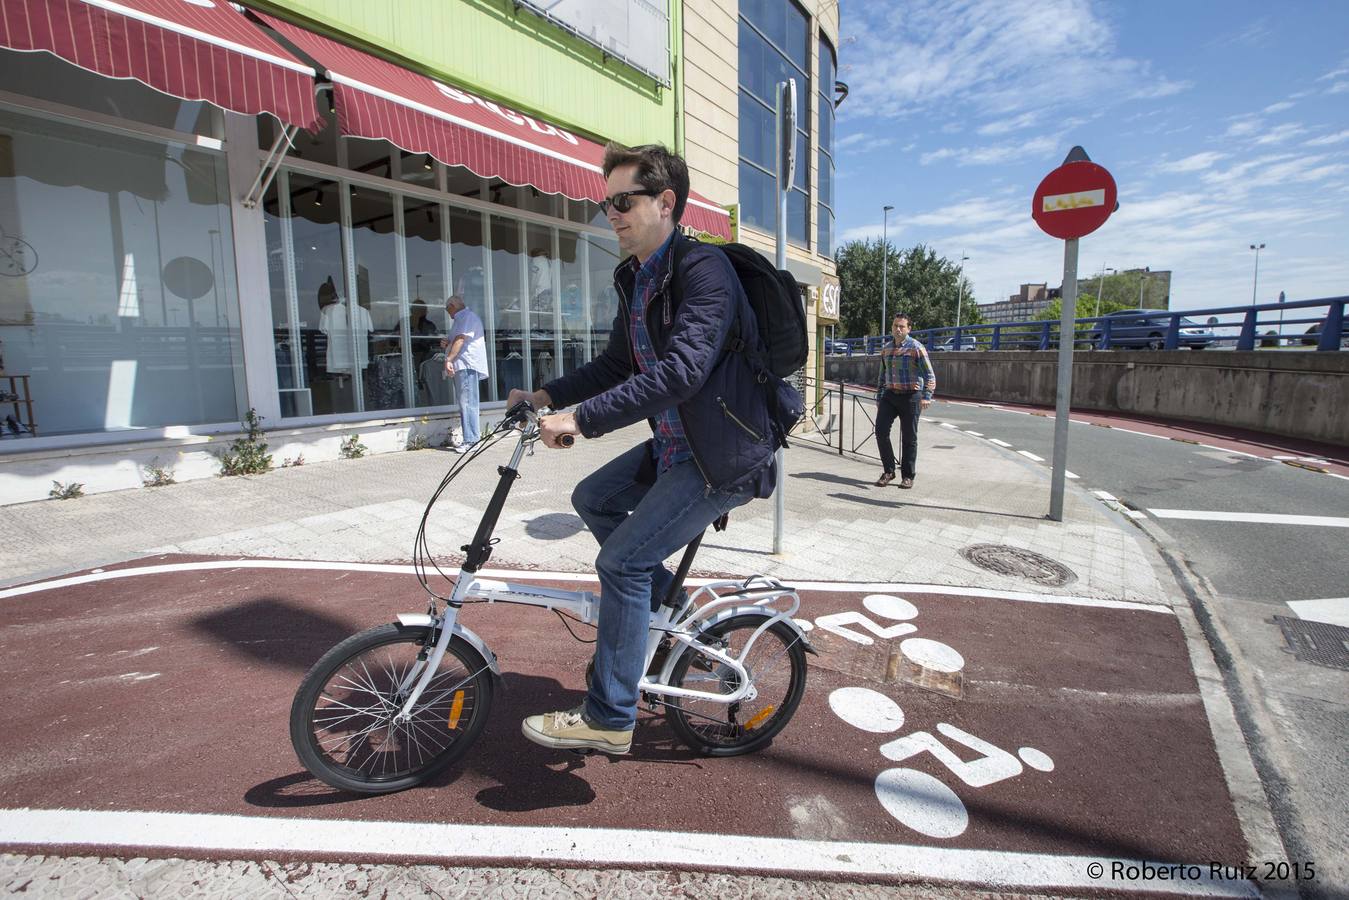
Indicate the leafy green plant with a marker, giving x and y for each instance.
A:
(156, 475)
(352, 448)
(418, 442)
(70, 491)
(247, 455)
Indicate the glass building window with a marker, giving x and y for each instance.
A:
(119, 299)
(774, 45)
(824, 217)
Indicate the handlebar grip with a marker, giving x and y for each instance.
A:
(566, 440)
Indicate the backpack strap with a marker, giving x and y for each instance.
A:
(682, 246)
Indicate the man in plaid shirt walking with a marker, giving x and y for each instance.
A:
(904, 390)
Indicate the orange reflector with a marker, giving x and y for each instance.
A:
(759, 718)
(456, 709)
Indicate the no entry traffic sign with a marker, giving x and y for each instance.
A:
(1074, 200)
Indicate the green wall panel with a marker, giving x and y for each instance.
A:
(489, 47)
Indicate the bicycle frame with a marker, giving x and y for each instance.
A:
(757, 595)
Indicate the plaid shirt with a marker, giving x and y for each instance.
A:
(907, 368)
(671, 444)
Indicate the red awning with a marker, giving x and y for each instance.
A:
(193, 49)
(378, 99)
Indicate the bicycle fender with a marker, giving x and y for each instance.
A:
(731, 613)
(412, 620)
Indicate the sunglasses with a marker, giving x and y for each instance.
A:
(623, 202)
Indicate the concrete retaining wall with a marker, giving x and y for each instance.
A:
(1297, 394)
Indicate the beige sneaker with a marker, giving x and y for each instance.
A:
(567, 729)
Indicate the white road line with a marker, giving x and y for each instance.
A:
(1032, 456)
(975, 433)
(948, 425)
(1210, 515)
(1329, 610)
(842, 587)
(1281, 458)
(1069, 474)
(998, 442)
(1333, 475)
(1143, 433)
(445, 842)
(1106, 495)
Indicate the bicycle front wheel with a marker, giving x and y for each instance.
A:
(776, 664)
(342, 723)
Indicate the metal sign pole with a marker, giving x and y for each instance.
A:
(786, 125)
(1065, 386)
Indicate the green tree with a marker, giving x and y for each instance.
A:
(1119, 291)
(919, 282)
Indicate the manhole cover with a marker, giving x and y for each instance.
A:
(1019, 563)
(1316, 642)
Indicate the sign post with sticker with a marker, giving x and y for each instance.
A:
(1071, 202)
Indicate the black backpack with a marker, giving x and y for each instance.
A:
(778, 310)
(781, 316)
(777, 305)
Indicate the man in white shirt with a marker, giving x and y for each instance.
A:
(465, 361)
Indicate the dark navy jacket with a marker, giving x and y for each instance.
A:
(721, 405)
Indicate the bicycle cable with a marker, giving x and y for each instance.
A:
(423, 560)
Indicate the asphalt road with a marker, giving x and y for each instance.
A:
(1266, 563)
(1295, 713)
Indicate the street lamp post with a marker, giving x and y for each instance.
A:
(1100, 286)
(1255, 280)
(960, 291)
(885, 261)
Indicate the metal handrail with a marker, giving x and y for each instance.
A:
(1162, 330)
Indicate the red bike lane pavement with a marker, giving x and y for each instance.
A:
(1020, 730)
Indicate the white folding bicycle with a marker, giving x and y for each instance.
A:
(392, 706)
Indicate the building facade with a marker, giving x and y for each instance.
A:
(207, 211)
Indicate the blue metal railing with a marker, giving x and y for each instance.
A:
(1154, 329)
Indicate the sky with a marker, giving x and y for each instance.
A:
(1225, 123)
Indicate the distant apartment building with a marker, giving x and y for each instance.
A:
(1153, 292)
(1031, 299)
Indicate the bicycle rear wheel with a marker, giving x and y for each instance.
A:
(342, 721)
(777, 668)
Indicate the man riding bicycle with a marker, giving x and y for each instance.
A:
(670, 361)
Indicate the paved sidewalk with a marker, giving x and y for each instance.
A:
(838, 526)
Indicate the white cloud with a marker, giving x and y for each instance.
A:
(1195, 163)
(1335, 74)
(1278, 107)
(1339, 87)
(1327, 140)
(1244, 126)
(1016, 123)
(925, 55)
(1280, 133)
(862, 142)
(994, 155)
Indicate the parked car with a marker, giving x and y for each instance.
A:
(835, 347)
(967, 342)
(1145, 329)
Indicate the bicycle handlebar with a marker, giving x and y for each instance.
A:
(524, 413)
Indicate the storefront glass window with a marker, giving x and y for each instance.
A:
(545, 335)
(468, 260)
(509, 287)
(311, 310)
(603, 301)
(119, 300)
(572, 308)
(381, 306)
(423, 246)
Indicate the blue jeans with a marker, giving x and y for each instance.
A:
(638, 526)
(466, 385)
